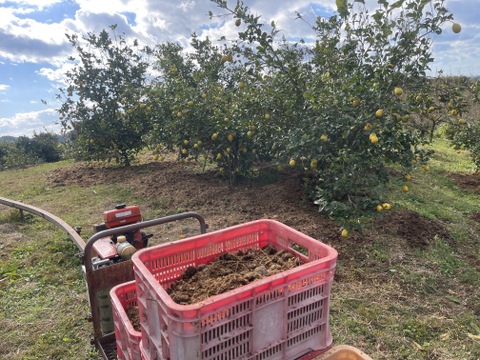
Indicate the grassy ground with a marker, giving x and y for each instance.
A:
(389, 299)
(426, 304)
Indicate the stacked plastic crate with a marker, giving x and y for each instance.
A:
(123, 298)
(284, 316)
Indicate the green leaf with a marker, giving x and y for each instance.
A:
(342, 7)
(454, 299)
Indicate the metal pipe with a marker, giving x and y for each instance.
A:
(79, 242)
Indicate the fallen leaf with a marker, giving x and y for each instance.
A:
(454, 299)
(474, 337)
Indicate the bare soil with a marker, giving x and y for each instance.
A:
(469, 181)
(171, 187)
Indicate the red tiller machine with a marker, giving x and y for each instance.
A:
(106, 266)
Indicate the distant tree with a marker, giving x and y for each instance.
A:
(26, 148)
(103, 101)
(42, 147)
(47, 147)
(3, 155)
(11, 156)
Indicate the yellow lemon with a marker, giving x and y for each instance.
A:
(292, 163)
(230, 137)
(386, 206)
(379, 208)
(373, 138)
(405, 188)
(461, 122)
(426, 168)
(456, 28)
(313, 164)
(214, 136)
(344, 233)
(398, 91)
(184, 151)
(227, 57)
(367, 127)
(379, 113)
(324, 137)
(356, 102)
(267, 116)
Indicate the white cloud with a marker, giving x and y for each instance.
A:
(28, 123)
(56, 74)
(4, 87)
(26, 39)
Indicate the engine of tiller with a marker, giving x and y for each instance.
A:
(110, 250)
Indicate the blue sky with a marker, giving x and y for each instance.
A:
(34, 49)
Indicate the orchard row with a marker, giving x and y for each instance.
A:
(340, 109)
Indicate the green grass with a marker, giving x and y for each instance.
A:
(433, 194)
(425, 304)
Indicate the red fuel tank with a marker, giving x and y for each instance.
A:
(122, 216)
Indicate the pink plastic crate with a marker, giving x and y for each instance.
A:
(123, 297)
(283, 316)
(144, 355)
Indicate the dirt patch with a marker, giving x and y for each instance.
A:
(169, 187)
(417, 230)
(467, 181)
(172, 187)
(475, 216)
(9, 237)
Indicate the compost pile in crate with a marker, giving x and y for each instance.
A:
(229, 271)
(134, 317)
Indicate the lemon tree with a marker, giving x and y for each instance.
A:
(210, 108)
(341, 104)
(103, 103)
(438, 102)
(465, 134)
